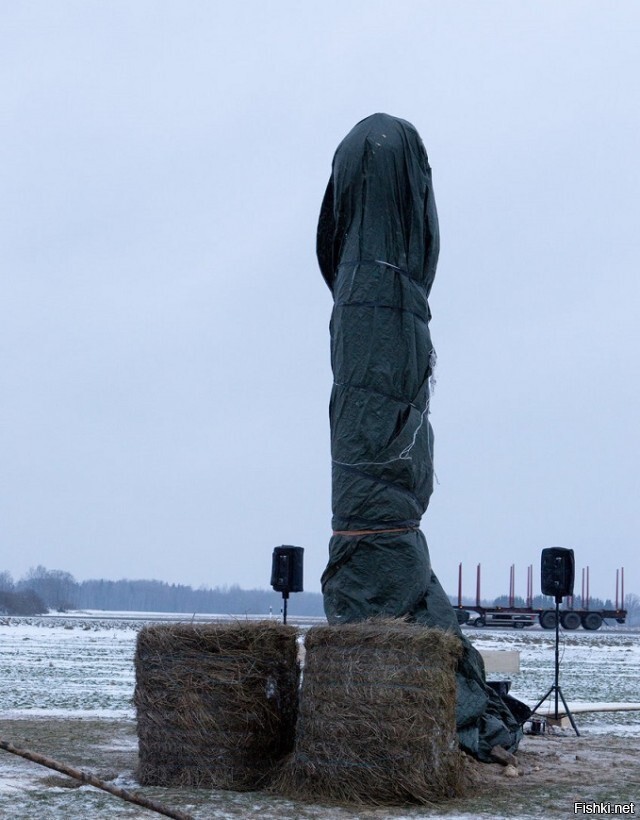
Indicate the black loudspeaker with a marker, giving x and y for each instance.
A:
(286, 569)
(557, 571)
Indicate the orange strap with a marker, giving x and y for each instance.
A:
(372, 532)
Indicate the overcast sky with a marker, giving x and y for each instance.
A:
(164, 345)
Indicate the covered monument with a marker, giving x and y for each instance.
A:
(378, 246)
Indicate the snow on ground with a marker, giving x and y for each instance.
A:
(66, 671)
(595, 667)
(80, 666)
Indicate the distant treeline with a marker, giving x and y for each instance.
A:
(159, 596)
(25, 602)
(41, 590)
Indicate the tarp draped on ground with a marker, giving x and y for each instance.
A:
(378, 246)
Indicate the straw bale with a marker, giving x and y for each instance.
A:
(216, 703)
(376, 721)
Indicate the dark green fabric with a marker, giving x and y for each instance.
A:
(377, 246)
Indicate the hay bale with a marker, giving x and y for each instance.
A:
(376, 721)
(216, 703)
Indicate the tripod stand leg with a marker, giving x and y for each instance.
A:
(538, 704)
(568, 711)
(557, 691)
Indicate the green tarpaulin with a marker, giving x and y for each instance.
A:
(378, 246)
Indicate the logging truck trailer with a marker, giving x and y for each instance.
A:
(521, 617)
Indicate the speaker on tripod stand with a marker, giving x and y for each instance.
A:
(286, 572)
(557, 573)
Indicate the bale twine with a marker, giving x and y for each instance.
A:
(216, 703)
(376, 721)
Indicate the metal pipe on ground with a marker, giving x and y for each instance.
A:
(92, 780)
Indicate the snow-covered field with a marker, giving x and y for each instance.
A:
(595, 667)
(80, 669)
(82, 666)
